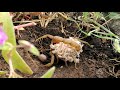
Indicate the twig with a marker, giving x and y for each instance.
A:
(25, 25)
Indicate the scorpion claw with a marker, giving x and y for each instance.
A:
(52, 61)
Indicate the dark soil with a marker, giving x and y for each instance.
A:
(94, 62)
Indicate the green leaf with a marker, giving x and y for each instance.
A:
(34, 51)
(6, 46)
(18, 62)
(49, 73)
(114, 15)
(3, 72)
(85, 16)
(30, 46)
(116, 45)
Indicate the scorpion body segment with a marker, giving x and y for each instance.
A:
(57, 39)
(72, 43)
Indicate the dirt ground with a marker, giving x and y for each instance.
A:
(94, 62)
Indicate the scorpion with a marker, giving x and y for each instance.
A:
(56, 40)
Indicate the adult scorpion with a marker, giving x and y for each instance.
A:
(71, 45)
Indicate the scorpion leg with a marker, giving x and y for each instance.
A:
(66, 64)
(52, 60)
(57, 58)
(45, 36)
(76, 66)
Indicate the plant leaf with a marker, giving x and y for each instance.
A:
(31, 48)
(3, 72)
(49, 73)
(18, 62)
(116, 45)
(114, 15)
(6, 46)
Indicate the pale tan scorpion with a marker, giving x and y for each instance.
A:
(70, 44)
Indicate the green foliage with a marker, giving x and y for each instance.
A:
(88, 15)
(6, 46)
(3, 72)
(85, 16)
(30, 47)
(107, 34)
(49, 73)
(114, 15)
(116, 45)
(18, 62)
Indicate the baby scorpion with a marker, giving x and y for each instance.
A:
(71, 44)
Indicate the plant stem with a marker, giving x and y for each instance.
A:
(68, 18)
(24, 25)
(103, 37)
(104, 28)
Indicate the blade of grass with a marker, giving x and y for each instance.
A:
(68, 18)
(3, 72)
(101, 26)
(104, 37)
(107, 34)
(49, 73)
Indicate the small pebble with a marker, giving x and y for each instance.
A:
(61, 66)
(42, 57)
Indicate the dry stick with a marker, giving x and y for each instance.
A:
(67, 18)
(24, 25)
(12, 72)
(11, 68)
(27, 21)
(50, 18)
(10, 63)
(117, 74)
(107, 21)
(62, 28)
(110, 73)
